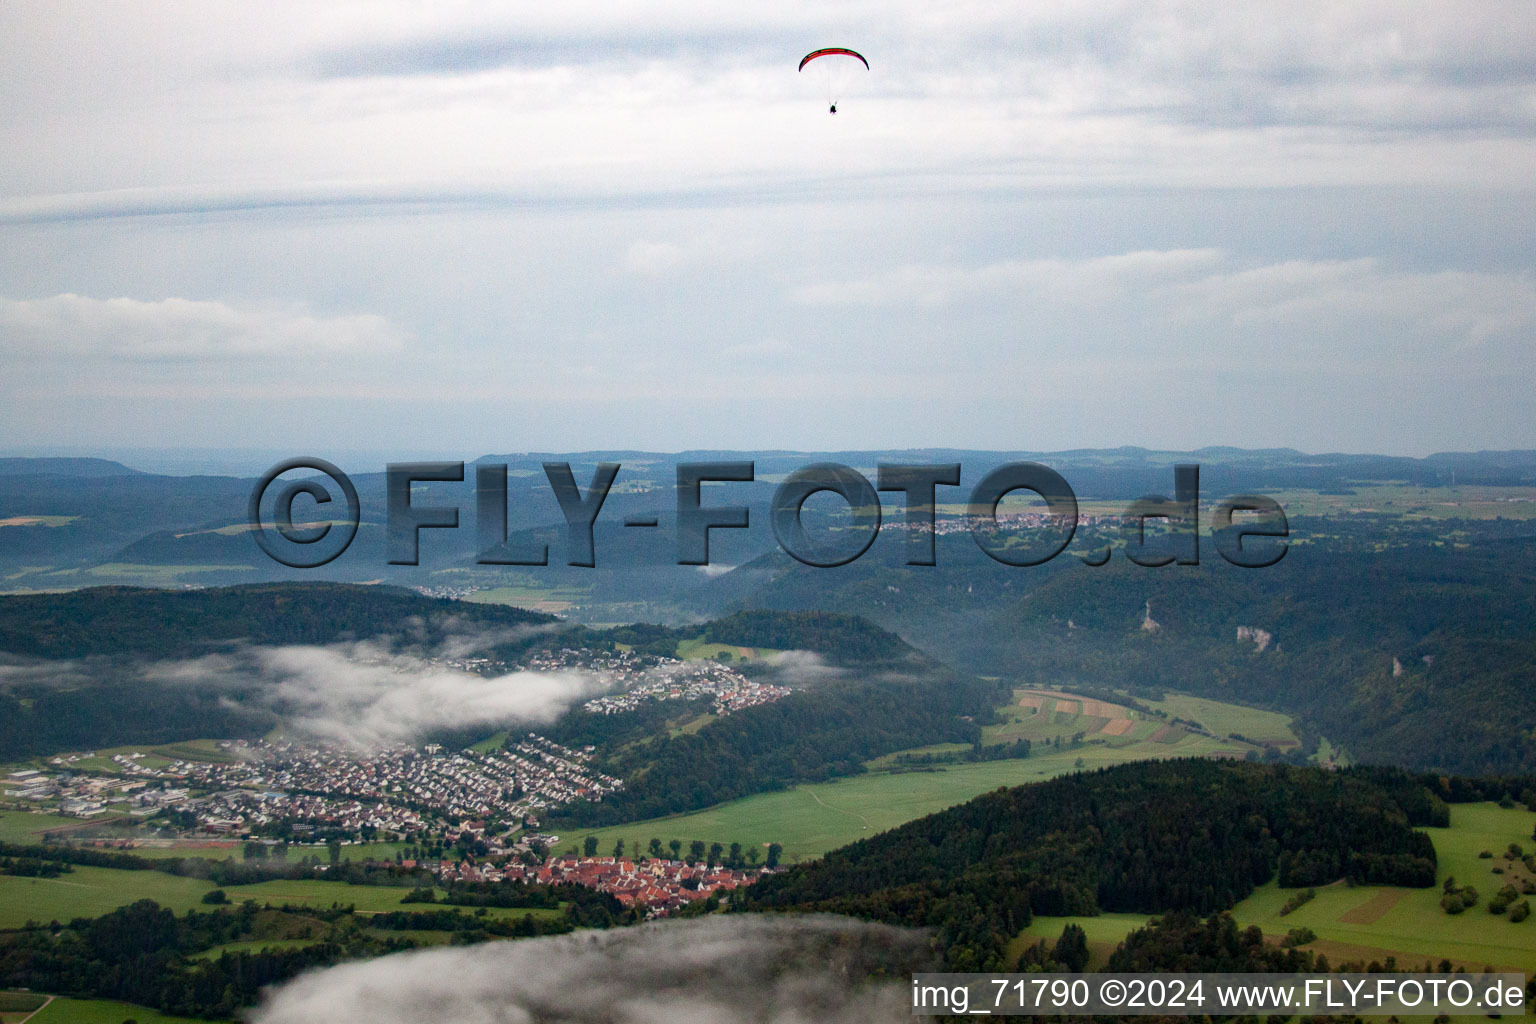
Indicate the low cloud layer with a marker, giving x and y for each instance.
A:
(362, 695)
(801, 668)
(784, 970)
(77, 326)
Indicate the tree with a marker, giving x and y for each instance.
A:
(334, 846)
(655, 848)
(734, 859)
(618, 849)
(775, 851)
(676, 846)
(215, 897)
(752, 855)
(1071, 949)
(695, 851)
(715, 850)
(589, 846)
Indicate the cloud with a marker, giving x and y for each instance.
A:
(1075, 282)
(26, 672)
(801, 668)
(463, 638)
(652, 259)
(1361, 303)
(363, 695)
(750, 969)
(177, 329)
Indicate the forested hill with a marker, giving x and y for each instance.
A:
(79, 682)
(827, 730)
(1419, 654)
(1193, 835)
(130, 621)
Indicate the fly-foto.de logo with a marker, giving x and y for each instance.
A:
(1249, 530)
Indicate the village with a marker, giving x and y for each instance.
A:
(657, 885)
(292, 790)
(727, 689)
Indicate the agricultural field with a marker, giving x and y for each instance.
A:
(1222, 719)
(810, 820)
(1465, 502)
(692, 650)
(91, 892)
(1045, 716)
(28, 827)
(147, 575)
(553, 600)
(1409, 923)
(253, 946)
(1104, 933)
(18, 1006)
(101, 1011)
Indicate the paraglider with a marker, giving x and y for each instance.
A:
(835, 64)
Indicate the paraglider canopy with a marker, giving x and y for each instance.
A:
(831, 51)
(832, 65)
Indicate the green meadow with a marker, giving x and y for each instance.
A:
(101, 1011)
(810, 820)
(697, 648)
(1376, 921)
(1373, 922)
(1223, 719)
(28, 827)
(91, 892)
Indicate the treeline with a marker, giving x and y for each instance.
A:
(44, 719)
(226, 872)
(1192, 835)
(92, 692)
(145, 954)
(1016, 750)
(841, 639)
(809, 736)
(583, 907)
(468, 928)
(140, 954)
(32, 867)
(120, 621)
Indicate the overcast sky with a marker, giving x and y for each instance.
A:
(321, 227)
